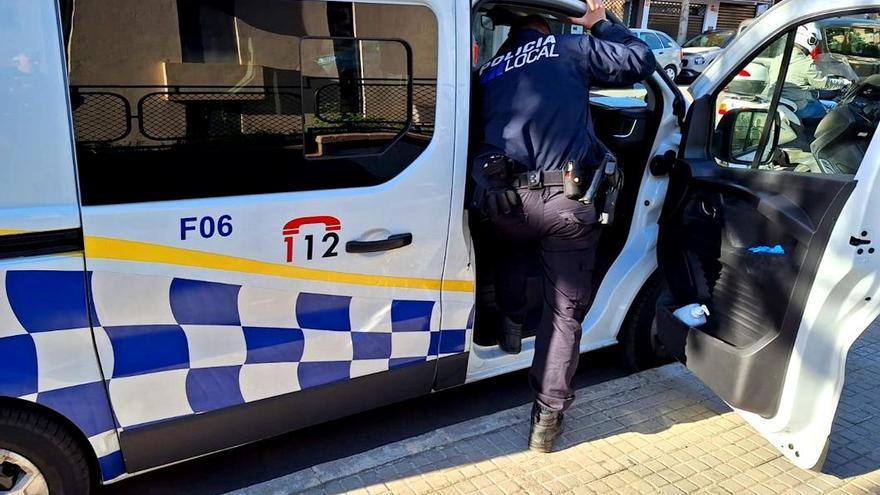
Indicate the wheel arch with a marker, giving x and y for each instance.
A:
(82, 441)
(638, 319)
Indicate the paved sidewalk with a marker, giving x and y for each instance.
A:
(659, 431)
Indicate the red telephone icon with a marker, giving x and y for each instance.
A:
(292, 228)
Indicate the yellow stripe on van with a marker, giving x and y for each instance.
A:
(11, 231)
(123, 250)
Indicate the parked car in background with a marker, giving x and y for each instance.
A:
(700, 50)
(666, 49)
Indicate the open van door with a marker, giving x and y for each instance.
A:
(783, 258)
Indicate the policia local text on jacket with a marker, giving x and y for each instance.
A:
(534, 96)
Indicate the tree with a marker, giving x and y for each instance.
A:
(683, 21)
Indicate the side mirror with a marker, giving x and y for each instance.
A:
(738, 135)
(487, 23)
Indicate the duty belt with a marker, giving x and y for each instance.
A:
(537, 179)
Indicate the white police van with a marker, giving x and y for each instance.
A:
(222, 220)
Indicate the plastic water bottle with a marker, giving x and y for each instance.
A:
(692, 315)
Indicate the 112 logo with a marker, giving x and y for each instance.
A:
(329, 241)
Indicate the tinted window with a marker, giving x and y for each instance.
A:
(233, 97)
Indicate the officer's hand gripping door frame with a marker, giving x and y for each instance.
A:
(770, 253)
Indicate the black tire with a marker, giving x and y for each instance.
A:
(49, 446)
(638, 345)
(671, 68)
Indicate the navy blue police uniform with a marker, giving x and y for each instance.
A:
(534, 98)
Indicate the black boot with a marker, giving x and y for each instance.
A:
(546, 427)
(511, 336)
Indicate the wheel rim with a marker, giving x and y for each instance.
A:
(670, 72)
(29, 480)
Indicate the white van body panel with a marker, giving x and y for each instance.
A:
(37, 176)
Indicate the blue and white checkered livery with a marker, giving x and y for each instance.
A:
(48, 352)
(172, 347)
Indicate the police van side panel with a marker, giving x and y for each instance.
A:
(48, 365)
(266, 194)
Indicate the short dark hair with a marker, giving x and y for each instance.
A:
(531, 22)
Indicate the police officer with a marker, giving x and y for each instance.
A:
(534, 99)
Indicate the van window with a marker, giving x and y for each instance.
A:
(826, 112)
(236, 97)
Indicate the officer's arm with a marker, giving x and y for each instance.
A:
(816, 79)
(615, 57)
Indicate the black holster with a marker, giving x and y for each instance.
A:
(601, 189)
(490, 173)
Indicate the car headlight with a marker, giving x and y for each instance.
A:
(699, 60)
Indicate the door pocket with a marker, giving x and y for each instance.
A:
(669, 330)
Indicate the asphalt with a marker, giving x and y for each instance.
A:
(269, 459)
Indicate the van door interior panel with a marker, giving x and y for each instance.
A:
(746, 243)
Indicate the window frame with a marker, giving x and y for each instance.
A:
(788, 50)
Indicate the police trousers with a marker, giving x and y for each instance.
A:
(565, 234)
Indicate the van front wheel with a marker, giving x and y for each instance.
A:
(39, 457)
(639, 347)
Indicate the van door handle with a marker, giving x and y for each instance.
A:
(395, 241)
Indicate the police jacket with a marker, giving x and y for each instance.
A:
(534, 94)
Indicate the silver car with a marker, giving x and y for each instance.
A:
(666, 50)
(702, 49)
